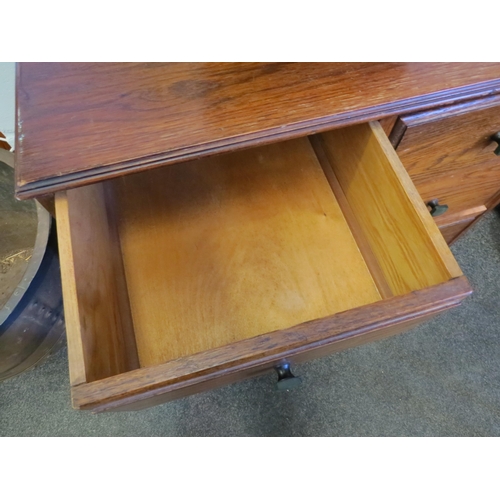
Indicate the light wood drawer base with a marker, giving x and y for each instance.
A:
(191, 276)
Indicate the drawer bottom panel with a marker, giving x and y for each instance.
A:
(195, 275)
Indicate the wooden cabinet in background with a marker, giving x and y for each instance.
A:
(449, 154)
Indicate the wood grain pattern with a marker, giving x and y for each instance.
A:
(461, 108)
(462, 190)
(402, 235)
(81, 122)
(454, 225)
(98, 323)
(357, 232)
(452, 218)
(48, 202)
(453, 231)
(76, 349)
(248, 357)
(230, 247)
(184, 278)
(140, 402)
(388, 124)
(449, 156)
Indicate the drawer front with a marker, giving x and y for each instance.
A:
(200, 274)
(134, 394)
(454, 225)
(450, 156)
(453, 231)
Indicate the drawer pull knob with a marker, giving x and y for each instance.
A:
(436, 209)
(496, 138)
(286, 379)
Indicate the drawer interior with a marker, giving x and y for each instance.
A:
(179, 260)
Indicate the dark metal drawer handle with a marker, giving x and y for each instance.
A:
(286, 379)
(496, 138)
(436, 208)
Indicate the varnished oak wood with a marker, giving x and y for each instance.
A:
(449, 155)
(401, 124)
(388, 124)
(452, 231)
(454, 225)
(79, 123)
(139, 402)
(76, 348)
(181, 377)
(450, 218)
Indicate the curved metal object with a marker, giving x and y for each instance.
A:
(286, 379)
(31, 313)
(496, 138)
(435, 208)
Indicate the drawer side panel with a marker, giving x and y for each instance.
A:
(409, 247)
(99, 327)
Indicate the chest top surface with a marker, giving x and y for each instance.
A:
(79, 123)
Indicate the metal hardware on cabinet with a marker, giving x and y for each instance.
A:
(496, 138)
(436, 208)
(286, 379)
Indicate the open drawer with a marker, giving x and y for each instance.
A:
(187, 277)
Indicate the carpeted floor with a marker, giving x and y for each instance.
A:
(440, 379)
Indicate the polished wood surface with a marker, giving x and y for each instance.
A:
(82, 122)
(449, 155)
(48, 202)
(181, 390)
(209, 369)
(453, 225)
(452, 231)
(388, 124)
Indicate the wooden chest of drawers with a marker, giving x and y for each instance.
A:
(449, 154)
(267, 218)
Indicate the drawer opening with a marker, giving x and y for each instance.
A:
(179, 260)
